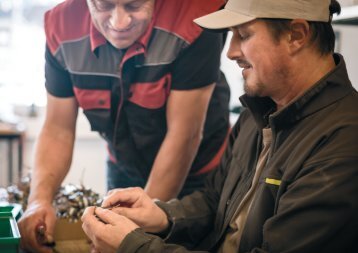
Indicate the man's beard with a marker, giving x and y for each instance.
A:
(260, 89)
(256, 91)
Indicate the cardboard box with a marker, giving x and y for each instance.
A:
(70, 238)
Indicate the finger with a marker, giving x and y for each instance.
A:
(34, 216)
(126, 195)
(131, 213)
(50, 220)
(107, 216)
(91, 224)
(93, 249)
(25, 230)
(114, 191)
(45, 231)
(42, 235)
(44, 239)
(30, 241)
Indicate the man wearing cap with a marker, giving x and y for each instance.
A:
(288, 179)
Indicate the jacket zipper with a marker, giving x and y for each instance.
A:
(119, 106)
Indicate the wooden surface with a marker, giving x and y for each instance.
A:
(9, 130)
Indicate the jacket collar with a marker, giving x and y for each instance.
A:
(332, 87)
(96, 38)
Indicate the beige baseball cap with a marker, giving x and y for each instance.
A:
(237, 12)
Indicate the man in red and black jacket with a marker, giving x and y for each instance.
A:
(148, 80)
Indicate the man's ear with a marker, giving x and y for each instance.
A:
(299, 35)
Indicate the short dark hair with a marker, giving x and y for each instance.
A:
(322, 32)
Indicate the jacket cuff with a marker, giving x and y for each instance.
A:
(133, 241)
(173, 217)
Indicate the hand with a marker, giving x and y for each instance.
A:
(93, 248)
(106, 229)
(37, 214)
(136, 205)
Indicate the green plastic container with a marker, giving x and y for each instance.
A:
(9, 234)
(14, 209)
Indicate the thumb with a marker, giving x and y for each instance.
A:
(107, 216)
(50, 220)
(126, 197)
(131, 213)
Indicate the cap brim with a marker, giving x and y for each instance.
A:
(222, 19)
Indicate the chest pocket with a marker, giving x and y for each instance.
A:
(93, 94)
(263, 207)
(272, 185)
(151, 95)
(267, 194)
(96, 106)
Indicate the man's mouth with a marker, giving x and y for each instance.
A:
(244, 65)
(122, 30)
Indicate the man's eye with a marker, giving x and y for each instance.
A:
(133, 7)
(103, 6)
(243, 36)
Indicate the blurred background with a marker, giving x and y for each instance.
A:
(23, 96)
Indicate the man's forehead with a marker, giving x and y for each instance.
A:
(245, 26)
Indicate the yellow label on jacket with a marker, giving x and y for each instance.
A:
(273, 181)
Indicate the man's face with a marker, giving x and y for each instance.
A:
(121, 22)
(264, 61)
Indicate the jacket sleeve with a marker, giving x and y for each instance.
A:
(193, 216)
(191, 219)
(140, 242)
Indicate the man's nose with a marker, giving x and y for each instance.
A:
(234, 51)
(120, 19)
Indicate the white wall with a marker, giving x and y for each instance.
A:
(233, 74)
(348, 47)
(88, 164)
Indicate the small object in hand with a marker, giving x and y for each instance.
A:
(95, 215)
(111, 207)
(44, 238)
(106, 207)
